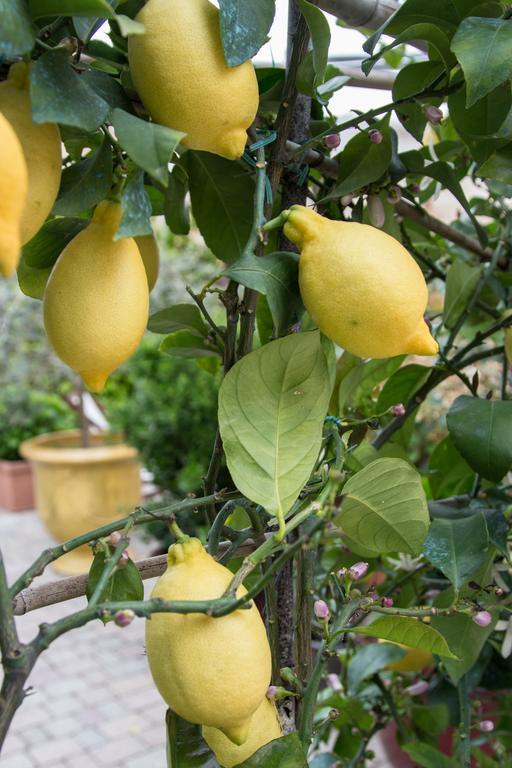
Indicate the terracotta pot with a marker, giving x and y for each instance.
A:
(78, 489)
(16, 486)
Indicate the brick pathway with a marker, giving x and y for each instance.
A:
(94, 703)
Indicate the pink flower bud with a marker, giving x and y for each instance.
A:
(398, 409)
(499, 592)
(375, 136)
(416, 689)
(376, 212)
(322, 611)
(346, 200)
(357, 571)
(433, 114)
(341, 573)
(271, 692)
(332, 140)
(123, 618)
(482, 618)
(432, 593)
(114, 538)
(387, 602)
(123, 560)
(486, 726)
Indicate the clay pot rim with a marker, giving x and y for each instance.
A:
(48, 449)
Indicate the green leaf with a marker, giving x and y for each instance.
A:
(487, 118)
(272, 405)
(222, 203)
(369, 660)
(136, 207)
(360, 381)
(175, 207)
(498, 166)
(59, 95)
(46, 246)
(84, 184)
(482, 47)
(107, 87)
(432, 34)
(32, 282)
(432, 719)
(128, 26)
(429, 757)
(187, 344)
(277, 277)
(384, 509)
(287, 752)
(16, 31)
(124, 584)
(410, 80)
(449, 474)
(402, 385)
(480, 430)
(406, 631)
(465, 638)
(362, 162)
(99, 8)
(461, 281)
(179, 317)
(185, 745)
(320, 38)
(149, 145)
(457, 547)
(244, 26)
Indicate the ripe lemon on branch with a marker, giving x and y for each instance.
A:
(361, 287)
(41, 147)
(179, 70)
(13, 190)
(96, 300)
(212, 671)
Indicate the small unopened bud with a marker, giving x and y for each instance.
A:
(486, 726)
(375, 136)
(332, 140)
(271, 692)
(398, 409)
(123, 560)
(123, 618)
(341, 573)
(376, 212)
(387, 602)
(433, 114)
(114, 538)
(415, 189)
(334, 714)
(346, 200)
(416, 689)
(432, 593)
(357, 571)
(499, 592)
(322, 611)
(394, 195)
(482, 618)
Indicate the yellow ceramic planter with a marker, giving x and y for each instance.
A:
(78, 489)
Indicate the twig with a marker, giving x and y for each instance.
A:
(209, 319)
(465, 723)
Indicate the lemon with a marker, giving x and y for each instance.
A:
(96, 300)
(41, 146)
(180, 73)
(414, 660)
(212, 671)
(508, 338)
(148, 248)
(361, 287)
(13, 190)
(265, 727)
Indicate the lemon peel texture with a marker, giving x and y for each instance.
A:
(180, 73)
(41, 147)
(96, 300)
(212, 671)
(360, 285)
(13, 191)
(148, 248)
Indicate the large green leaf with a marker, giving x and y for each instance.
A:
(481, 430)
(32, 281)
(175, 204)
(410, 80)
(406, 631)
(360, 381)
(185, 343)
(457, 547)
(149, 145)
(449, 474)
(84, 184)
(16, 32)
(277, 277)
(287, 752)
(320, 38)
(402, 385)
(432, 34)
(59, 95)
(370, 659)
(461, 281)
(45, 247)
(244, 26)
(499, 166)
(384, 509)
(482, 47)
(429, 757)
(177, 318)
(41, 8)
(272, 406)
(186, 747)
(488, 118)
(222, 202)
(136, 206)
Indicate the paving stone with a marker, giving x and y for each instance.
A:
(116, 751)
(55, 749)
(154, 759)
(17, 761)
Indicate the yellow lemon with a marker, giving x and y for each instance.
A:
(265, 727)
(13, 191)
(180, 73)
(361, 287)
(148, 248)
(508, 338)
(41, 147)
(96, 299)
(212, 671)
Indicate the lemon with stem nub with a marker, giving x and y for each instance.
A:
(13, 191)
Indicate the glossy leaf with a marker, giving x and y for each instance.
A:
(498, 166)
(45, 247)
(175, 204)
(480, 430)
(16, 31)
(244, 26)
(461, 281)
(272, 405)
(179, 317)
(320, 38)
(32, 281)
(402, 385)
(369, 660)
(407, 631)
(84, 184)
(430, 33)
(136, 207)
(384, 509)
(222, 203)
(486, 118)
(410, 80)
(360, 381)
(427, 756)
(186, 747)
(188, 344)
(107, 87)
(149, 145)
(59, 95)
(100, 8)
(482, 47)
(287, 752)
(449, 474)
(124, 584)
(457, 547)
(277, 277)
